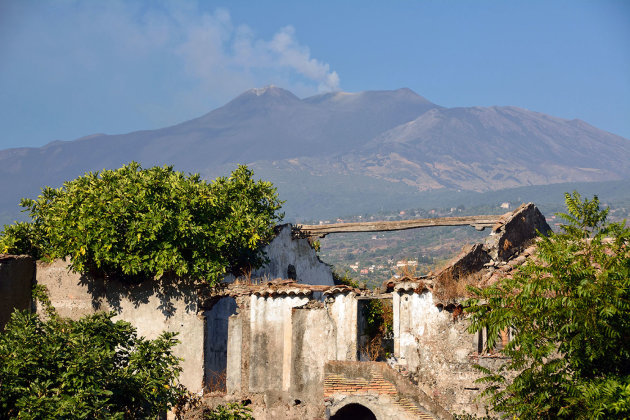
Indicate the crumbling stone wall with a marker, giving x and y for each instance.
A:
(434, 349)
(515, 232)
(377, 387)
(280, 340)
(270, 329)
(151, 307)
(294, 258)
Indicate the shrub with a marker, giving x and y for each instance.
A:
(140, 223)
(93, 368)
(230, 411)
(345, 279)
(569, 308)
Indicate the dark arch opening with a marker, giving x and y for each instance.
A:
(354, 412)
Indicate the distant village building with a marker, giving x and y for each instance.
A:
(406, 263)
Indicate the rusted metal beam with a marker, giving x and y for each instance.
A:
(478, 222)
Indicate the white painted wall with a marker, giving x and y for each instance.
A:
(270, 349)
(284, 250)
(343, 312)
(415, 319)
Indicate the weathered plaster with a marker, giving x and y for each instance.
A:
(285, 251)
(151, 307)
(435, 348)
(270, 325)
(342, 308)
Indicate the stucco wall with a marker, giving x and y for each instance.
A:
(152, 307)
(270, 349)
(313, 336)
(280, 344)
(235, 355)
(284, 251)
(343, 313)
(16, 280)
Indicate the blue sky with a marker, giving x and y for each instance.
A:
(72, 68)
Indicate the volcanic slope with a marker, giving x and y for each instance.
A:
(489, 148)
(350, 146)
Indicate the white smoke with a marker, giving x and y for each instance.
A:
(148, 63)
(215, 50)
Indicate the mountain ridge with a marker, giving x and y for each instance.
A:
(395, 136)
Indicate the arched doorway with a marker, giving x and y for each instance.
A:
(353, 412)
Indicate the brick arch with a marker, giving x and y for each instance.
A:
(366, 402)
(377, 387)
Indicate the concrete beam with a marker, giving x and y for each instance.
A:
(478, 222)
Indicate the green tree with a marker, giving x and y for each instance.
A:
(139, 223)
(569, 308)
(93, 368)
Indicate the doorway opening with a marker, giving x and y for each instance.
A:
(355, 412)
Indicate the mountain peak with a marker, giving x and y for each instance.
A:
(259, 97)
(269, 91)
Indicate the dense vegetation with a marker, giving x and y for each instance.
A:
(93, 368)
(569, 309)
(139, 223)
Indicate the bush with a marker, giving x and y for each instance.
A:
(141, 223)
(569, 308)
(230, 411)
(92, 368)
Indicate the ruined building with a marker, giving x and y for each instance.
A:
(295, 346)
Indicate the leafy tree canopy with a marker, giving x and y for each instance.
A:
(134, 222)
(92, 368)
(569, 308)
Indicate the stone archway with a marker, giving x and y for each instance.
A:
(353, 411)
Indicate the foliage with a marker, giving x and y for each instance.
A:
(93, 368)
(142, 223)
(20, 238)
(379, 317)
(344, 278)
(230, 411)
(569, 308)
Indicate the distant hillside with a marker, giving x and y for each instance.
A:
(493, 148)
(327, 153)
